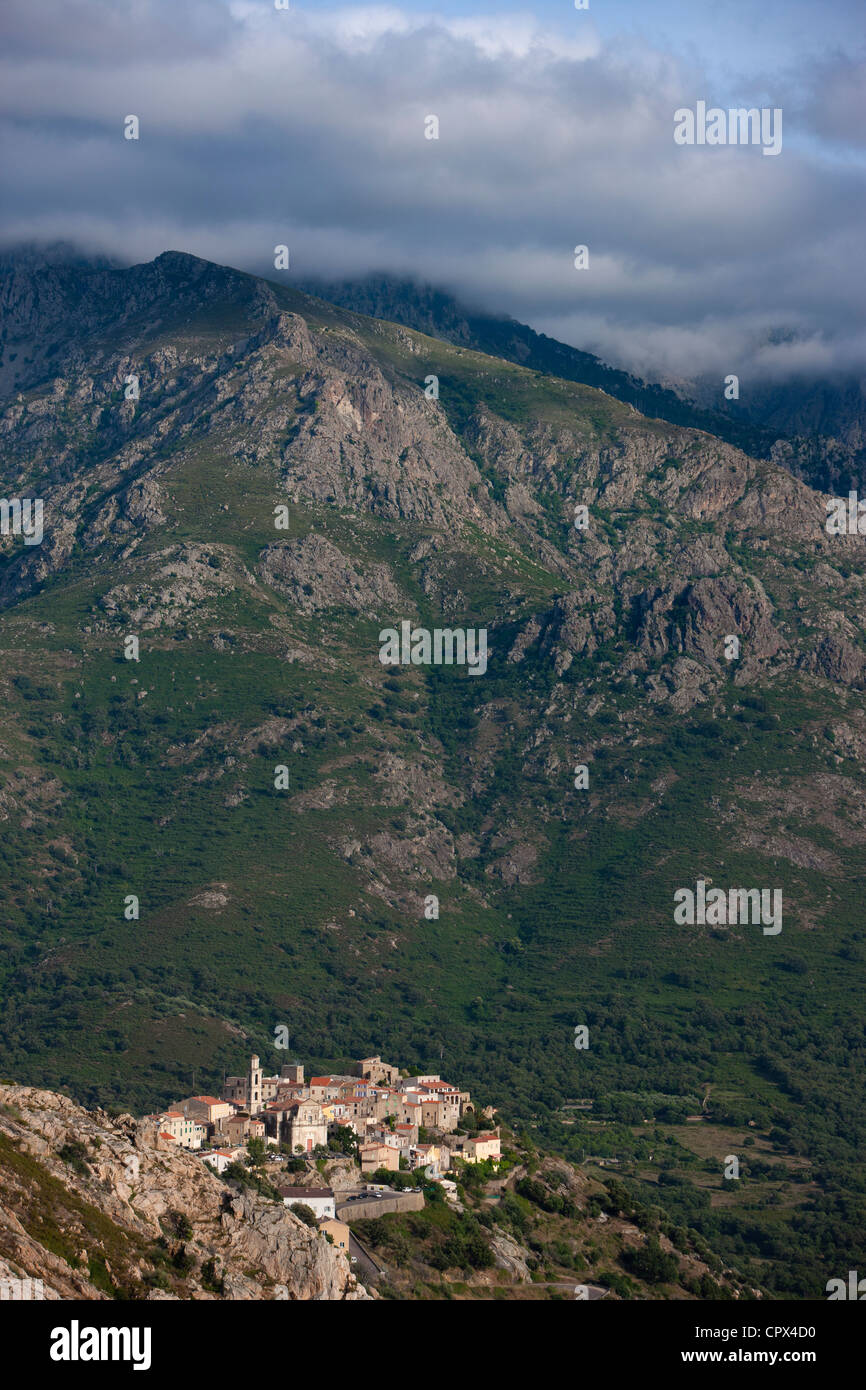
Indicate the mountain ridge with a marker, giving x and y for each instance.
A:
(153, 777)
(811, 426)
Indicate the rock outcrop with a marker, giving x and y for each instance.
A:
(94, 1205)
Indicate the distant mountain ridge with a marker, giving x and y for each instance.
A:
(816, 428)
(431, 310)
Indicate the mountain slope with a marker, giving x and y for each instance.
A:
(812, 426)
(258, 649)
(434, 311)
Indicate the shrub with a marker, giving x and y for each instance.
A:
(649, 1262)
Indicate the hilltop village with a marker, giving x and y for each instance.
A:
(385, 1121)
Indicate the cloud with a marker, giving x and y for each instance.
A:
(835, 105)
(261, 127)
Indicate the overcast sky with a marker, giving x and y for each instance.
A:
(306, 127)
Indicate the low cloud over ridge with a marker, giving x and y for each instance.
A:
(305, 127)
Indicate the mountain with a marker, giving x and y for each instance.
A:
(242, 819)
(812, 426)
(434, 311)
(820, 423)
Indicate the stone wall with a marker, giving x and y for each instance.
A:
(362, 1211)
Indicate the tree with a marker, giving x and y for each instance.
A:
(344, 1140)
(179, 1224)
(650, 1262)
(257, 1150)
(182, 1260)
(210, 1278)
(305, 1214)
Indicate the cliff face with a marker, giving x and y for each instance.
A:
(94, 1205)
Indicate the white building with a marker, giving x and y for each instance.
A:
(221, 1158)
(320, 1200)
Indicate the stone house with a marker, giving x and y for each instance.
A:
(375, 1070)
(483, 1146)
(375, 1156)
(221, 1158)
(331, 1087)
(241, 1127)
(422, 1155)
(401, 1137)
(298, 1123)
(207, 1110)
